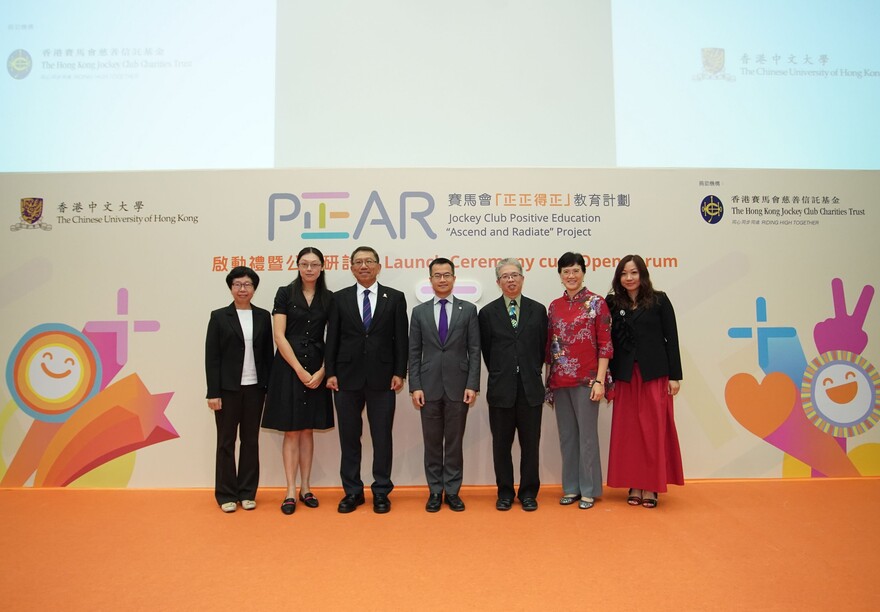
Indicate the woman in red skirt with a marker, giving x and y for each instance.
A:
(644, 454)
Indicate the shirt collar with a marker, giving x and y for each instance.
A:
(374, 289)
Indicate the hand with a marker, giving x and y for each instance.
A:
(215, 404)
(315, 380)
(418, 398)
(396, 383)
(843, 332)
(672, 387)
(470, 396)
(332, 383)
(304, 377)
(597, 391)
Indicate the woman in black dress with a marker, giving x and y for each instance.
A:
(297, 401)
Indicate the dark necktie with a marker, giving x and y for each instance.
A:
(512, 312)
(368, 311)
(443, 326)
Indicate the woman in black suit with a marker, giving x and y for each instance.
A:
(238, 355)
(644, 454)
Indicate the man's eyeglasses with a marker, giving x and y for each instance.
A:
(357, 263)
(510, 277)
(442, 275)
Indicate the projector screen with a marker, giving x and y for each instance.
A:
(99, 86)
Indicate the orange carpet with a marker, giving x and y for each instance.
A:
(710, 545)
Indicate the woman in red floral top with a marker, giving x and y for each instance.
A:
(578, 350)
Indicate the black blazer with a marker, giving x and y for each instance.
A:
(648, 336)
(367, 358)
(506, 349)
(224, 349)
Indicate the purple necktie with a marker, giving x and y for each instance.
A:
(443, 326)
(368, 311)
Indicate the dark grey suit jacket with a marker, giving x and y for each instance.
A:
(510, 352)
(449, 368)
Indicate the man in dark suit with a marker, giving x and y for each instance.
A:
(513, 337)
(365, 360)
(444, 371)
(238, 356)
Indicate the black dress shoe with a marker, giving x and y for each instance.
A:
(529, 504)
(350, 502)
(503, 503)
(435, 500)
(381, 503)
(454, 502)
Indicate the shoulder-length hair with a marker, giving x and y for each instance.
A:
(646, 297)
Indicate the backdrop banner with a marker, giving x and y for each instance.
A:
(109, 279)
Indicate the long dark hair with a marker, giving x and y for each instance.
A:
(321, 290)
(646, 297)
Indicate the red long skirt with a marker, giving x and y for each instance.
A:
(644, 452)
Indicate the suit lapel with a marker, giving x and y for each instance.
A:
(381, 303)
(349, 305)
(428, 323)
(234, 323)
(504, 315)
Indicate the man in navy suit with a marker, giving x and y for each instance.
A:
(444, 370)
(365, 360)
(513, 337)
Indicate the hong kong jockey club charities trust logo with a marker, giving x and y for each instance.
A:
(31, 213)
(19, 64)
(329, 215)
(711, 209)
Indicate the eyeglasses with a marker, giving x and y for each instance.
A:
(510, 277)
(308, 265)
(238, 286)
(574, 272)
(357, 263)
(442, 275)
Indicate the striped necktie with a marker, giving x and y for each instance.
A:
(368, 311)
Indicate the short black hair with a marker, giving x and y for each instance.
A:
(238, 272)
(440, 261)
(368, 249)
(571, 259)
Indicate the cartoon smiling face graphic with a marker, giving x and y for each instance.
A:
(52, 371)
(841, 393)
(844, 392)
(55, 372)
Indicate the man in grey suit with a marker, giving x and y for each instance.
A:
(444, 367)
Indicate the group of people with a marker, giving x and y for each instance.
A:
(354, 347)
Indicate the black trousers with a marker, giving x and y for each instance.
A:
(239, 417)
(380, 415)
(524, 421)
